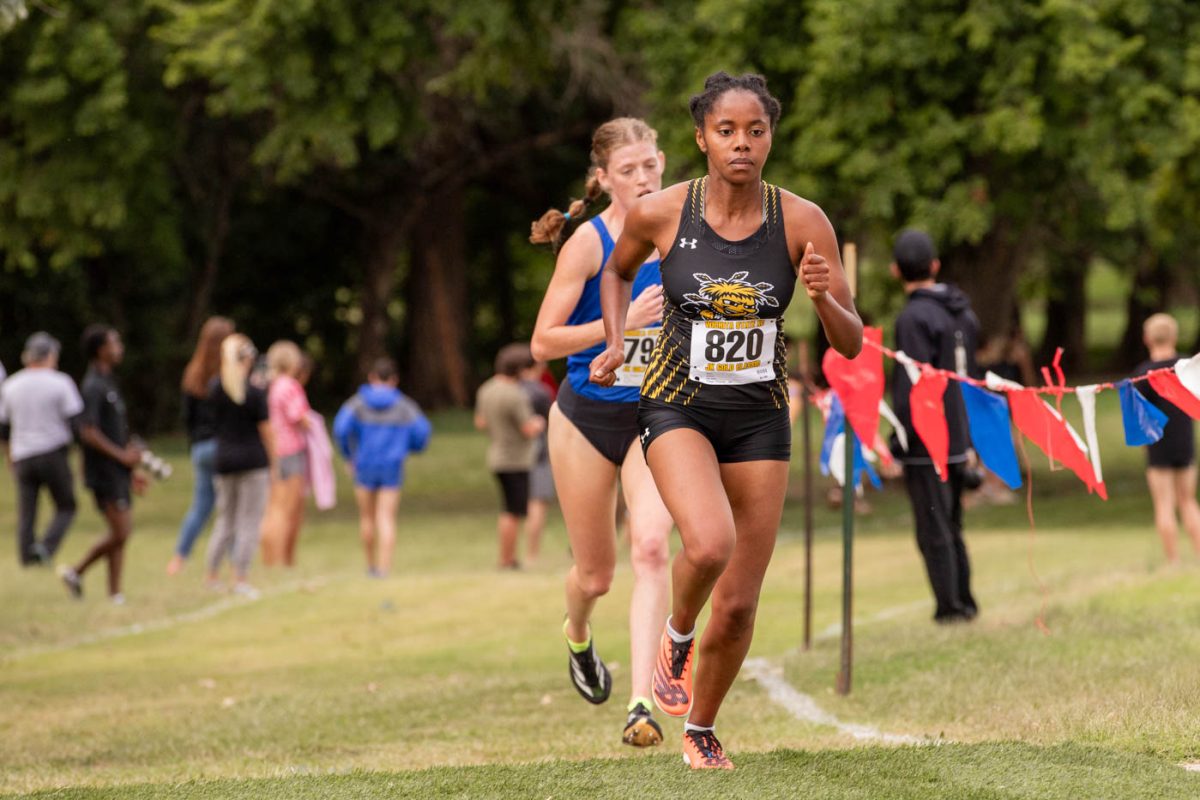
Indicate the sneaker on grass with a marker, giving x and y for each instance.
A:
(640, 728)
(701, 750)
(70, 579)
(589, 676)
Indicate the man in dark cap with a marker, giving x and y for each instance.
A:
(38, 406)
(936, 327)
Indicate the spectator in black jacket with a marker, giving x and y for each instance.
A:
(936, 327)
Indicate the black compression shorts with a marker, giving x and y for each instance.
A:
(752, 434)
(609, 427)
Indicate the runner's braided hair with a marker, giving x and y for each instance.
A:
(717, 84)
(615, 133)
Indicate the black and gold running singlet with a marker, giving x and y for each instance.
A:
(722, 343)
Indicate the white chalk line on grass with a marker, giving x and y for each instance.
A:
(835, 630)
(166, 623)
(805, 709)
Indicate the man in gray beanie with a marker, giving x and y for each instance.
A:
(38, 405)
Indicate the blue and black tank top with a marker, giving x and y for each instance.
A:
(588, 310)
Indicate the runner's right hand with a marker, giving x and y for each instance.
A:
(647, 309)
(132, 455)
(603, 370)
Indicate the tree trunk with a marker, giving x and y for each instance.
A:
(988, 273)
(1151, 284)
(437, 319)
(1066, 312)
(215, 236)
(385, 237)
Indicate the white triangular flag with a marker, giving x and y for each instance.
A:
(1087, 401)
(886, 412)
(910, 366)
(1188, 371)
(998, 384)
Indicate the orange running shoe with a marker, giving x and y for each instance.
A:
(701, 750)
(673, 676)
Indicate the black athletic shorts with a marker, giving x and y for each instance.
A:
(751, 434)
(115, 492)
(608, 427)
(514, 490)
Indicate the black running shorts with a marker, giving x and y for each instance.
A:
(112, 492)
(750, 434)
(608, 427)
(514, 492)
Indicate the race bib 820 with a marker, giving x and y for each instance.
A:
(733, 352)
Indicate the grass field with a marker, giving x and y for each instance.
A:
(448, 680)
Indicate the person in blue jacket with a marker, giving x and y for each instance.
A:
(376, 430)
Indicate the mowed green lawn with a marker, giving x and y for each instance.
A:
(449, 679)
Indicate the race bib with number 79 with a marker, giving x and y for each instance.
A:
(733, 352)
(639, 344)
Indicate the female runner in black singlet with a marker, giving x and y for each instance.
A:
(713, 414)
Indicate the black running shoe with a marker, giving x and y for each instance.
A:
(640, 729)
(589, 675)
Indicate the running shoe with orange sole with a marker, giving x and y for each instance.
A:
(701, 750)
(640, 728)
(673, 676)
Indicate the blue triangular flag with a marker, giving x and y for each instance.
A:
(862, 466)
(991, 433)
(835, 426)
(1143, 421)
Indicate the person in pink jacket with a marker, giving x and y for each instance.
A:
(287, 405)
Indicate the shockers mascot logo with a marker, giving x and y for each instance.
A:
(728, 298)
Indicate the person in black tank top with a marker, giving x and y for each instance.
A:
(1171, 461)
(714, 411)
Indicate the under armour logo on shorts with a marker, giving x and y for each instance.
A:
(645, 435)
(688, 243)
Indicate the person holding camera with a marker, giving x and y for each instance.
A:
(936, 327)
(109, 458)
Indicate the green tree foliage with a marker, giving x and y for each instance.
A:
(360, 177)
(11, 13)
(89, 228)
(392, 113)
(1023, 135)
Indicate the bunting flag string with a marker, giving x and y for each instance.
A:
(994, 406)
(1171, 389)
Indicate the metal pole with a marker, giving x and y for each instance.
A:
(845, 673)
(805, 404)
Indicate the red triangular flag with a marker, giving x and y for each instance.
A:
(1171, 389)
(859, 383)
(929, 418)
(1045, 428)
